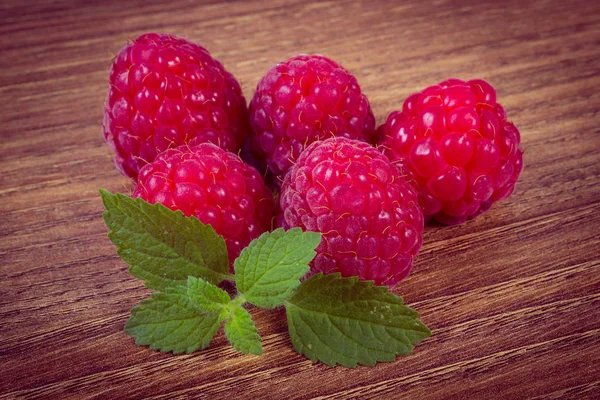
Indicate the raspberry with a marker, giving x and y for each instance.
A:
(213, 185)
(301, 100)
(165, 92)
(369, 216)
(457, 148)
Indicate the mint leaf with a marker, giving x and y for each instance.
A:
(350, 322)
(242, 333)
(206, 297)
(163, 247)
(169, 322)
(270, 268)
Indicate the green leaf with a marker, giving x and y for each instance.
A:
(270, 268)
(242, 333)
(205, 296)
(163, 247)
(169, 322)
(347, 321)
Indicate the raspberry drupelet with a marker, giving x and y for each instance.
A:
(369, 216)
(301, 100)
(165, 92)
(457, 147)
(213, 185)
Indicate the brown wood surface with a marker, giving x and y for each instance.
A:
(513, 298)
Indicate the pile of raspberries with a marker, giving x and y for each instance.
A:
(306, 153)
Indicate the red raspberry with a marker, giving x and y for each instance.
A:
(165, 92)
(213, 185)
(301, 100)
(369, 216)
(454, 142)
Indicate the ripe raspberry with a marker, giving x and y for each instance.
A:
(165, 92)
(454, 142)
(301, 100)
(215, 186)
(369, 216)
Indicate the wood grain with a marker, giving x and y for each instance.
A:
(513, 298)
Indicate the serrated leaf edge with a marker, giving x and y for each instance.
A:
(254, 333)
(271, 238)
(143, 341)
(176, 217)
(302, 348)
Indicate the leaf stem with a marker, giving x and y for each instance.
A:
(233, 305)
(238, 301)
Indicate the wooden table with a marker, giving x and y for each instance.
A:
(513, 298)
